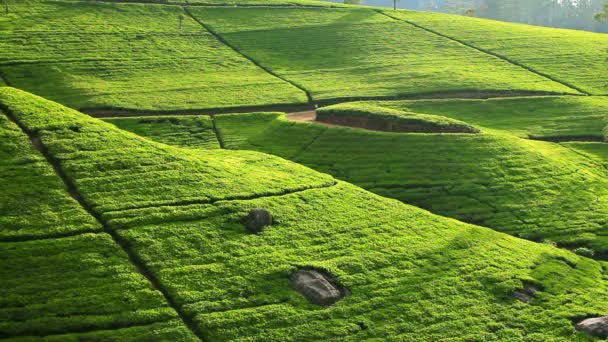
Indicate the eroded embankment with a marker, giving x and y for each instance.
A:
(382, 119)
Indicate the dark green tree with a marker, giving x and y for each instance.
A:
(603, 15)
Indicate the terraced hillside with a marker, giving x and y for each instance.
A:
(129, 56)
(536, 190)
(62, 276)
(466, 200)
(337, 54)
(576, 58)
(135, 56)
(228, 284)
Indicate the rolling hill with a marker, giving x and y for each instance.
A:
(454, 186)
(226, 284)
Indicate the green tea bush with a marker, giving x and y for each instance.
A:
(583, 251)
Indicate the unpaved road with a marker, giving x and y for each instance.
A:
(308, 116)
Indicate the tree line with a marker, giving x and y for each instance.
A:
(573, 14)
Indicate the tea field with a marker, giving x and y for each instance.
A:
(547, 118)
(131, 56)
(576, 58)
(340, 54)
(531, 189)
(227, 284)
(453, 188)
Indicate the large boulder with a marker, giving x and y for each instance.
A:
(316, 287)
(597, 326)
(257, 220)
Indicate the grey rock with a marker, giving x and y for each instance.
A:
(526, 294)
(258, 219)
(597, 326)
(316, 287)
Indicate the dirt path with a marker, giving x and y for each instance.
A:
(307, 116)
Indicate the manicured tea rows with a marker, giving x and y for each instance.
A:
(573, 57)
(34, 201)
(409, 273)
(186, 132)
(540, 117)
(92, 54)
(75, 284)
(116, 171)
(532, 189)
(594, 149)
(358, 52)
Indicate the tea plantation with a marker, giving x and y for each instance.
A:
(133, 56)
(409, 274)
(572, 57)
(451, 185)
(338, 54)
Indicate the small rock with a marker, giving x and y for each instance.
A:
(315, 287)
(526, 294)
(257, 220)
(597, 326)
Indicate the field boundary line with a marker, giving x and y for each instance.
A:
(488, 52)
(85, 330)
(256, 63)
(299, 153)
(218, 136)
(55, 236)
(228, 199)
(134, 258)
(466, 95)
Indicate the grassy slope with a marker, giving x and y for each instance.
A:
(533, 189)
(89, 54)
(342, 53)
(412, 275)
(574, 57)
(34, 201)
(78, 284)
(196, 131)
(54, 286)
(594, 149)
(357, 114)
(543, 117)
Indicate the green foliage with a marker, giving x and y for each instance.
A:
(343, 53)
(34, 201)
(593, 149)
(116, 171)
(531, 189)
(603, 15)
(586, 252)
(92, 54)
(196, 131)
(410, 273)
(391, 120)
(86, 282)
(567, 117)
(574, 57)
(173, 330)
